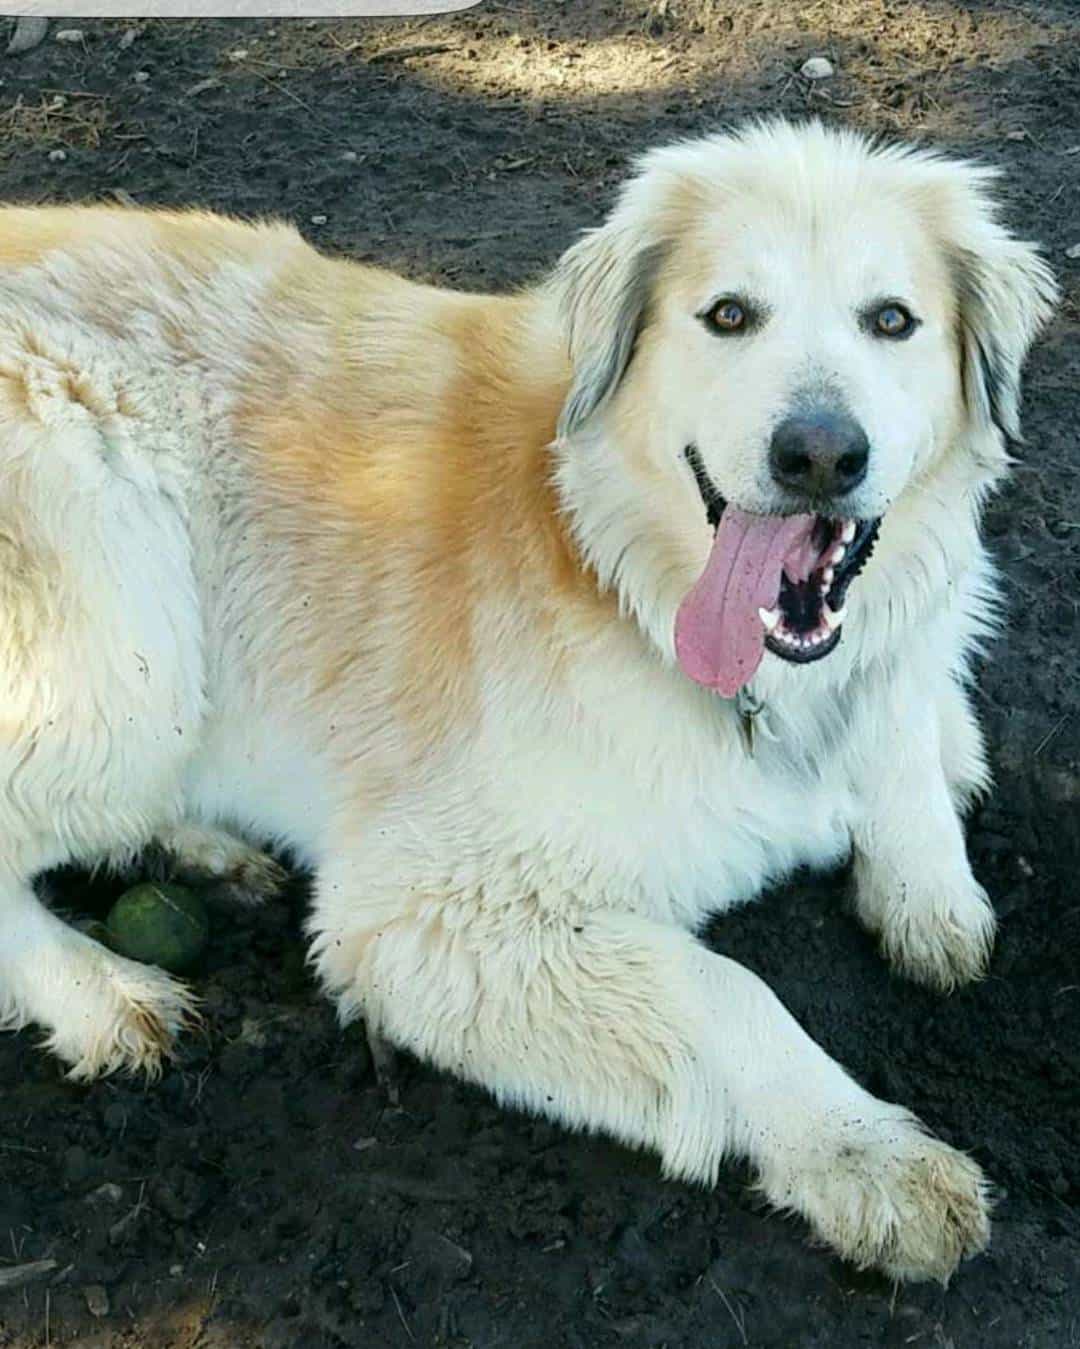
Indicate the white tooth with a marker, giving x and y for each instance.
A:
(837, 554)
(827, 576)
(835, 617)
(848, 532)
(770, 617)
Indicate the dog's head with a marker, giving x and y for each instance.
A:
(774, 338)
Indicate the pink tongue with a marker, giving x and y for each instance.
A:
(719, 635)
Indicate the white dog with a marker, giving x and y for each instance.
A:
(541, 627)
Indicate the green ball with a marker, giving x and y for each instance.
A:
(162, 925)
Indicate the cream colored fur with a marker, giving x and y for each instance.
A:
(293, 548)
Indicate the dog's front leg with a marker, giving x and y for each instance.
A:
(608, 1021)
(102, 1013)
(914, 886)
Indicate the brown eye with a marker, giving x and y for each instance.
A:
(893, 320)
(726, 316)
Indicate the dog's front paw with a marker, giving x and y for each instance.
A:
(886, 1196)
(125, 1019)
(942, 939)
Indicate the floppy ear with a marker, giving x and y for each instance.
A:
(1005, 294)
(603, 286)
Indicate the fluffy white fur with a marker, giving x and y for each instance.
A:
(292, 548)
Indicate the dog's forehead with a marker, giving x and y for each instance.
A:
(781, 244)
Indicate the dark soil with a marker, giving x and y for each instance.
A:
(267, 1191)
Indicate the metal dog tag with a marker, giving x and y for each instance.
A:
(751, 722)
(749, 707)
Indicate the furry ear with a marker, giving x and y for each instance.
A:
(603, 285)
(1005, 295)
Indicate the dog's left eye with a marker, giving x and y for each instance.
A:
(726, 316)
(893, 320)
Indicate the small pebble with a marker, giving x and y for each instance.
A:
(97, 1299)
(29, 33)
(240, 54)
(319, 219)
(69, 35)
(349, 156)
(129, 37)
(141, 76)
(817, 68)
(76, 1164)
(57, 156)
(109, 1193)
(115, 1116)
(1073, 251)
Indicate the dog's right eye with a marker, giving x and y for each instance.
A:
(726, 316)
(891, 319)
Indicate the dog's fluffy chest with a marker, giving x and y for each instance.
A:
(657, 801)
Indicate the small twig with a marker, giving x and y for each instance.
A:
(346, 48)
(408, 50)
(1050, 735)
(740, 1320)
(401, 1314)
(16, 1275)
(284, 89)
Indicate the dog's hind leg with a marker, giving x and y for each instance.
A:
(100, 683)
(608, 1021)
(205, 854)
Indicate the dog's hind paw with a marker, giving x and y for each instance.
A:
(229, 867)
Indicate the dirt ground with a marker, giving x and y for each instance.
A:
(267, 1192)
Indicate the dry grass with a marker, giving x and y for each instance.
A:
(59, 118)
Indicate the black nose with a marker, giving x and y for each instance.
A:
(819, 454)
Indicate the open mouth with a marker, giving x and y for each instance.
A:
(805, 623)
(772, 582)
